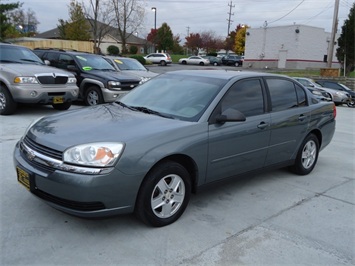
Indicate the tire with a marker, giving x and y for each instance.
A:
(7, 104)
(163, 63)
(351, 103)
(236, 64)
(93, 96)
(215, 64)
(164, 194)
(183, 62)
(201, 64)
(307, 156)
(62, 106)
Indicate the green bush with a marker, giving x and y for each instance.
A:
(113, 50)
(133, 49)
(139, 58)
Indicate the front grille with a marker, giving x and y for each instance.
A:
(43, 149)
(127, 86)
(75, 205)
(53, 79)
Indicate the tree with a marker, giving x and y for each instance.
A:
(24, 21)
(100, 16)
(77, 28)
(177, 48)
(165, 39)
(5, 24)
(194, 42)
(346, 48)
(128, 17)
(239, 45)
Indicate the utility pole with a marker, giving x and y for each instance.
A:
(230, 14)
(332, 38)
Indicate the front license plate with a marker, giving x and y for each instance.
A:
(58, 99)
(23, 177)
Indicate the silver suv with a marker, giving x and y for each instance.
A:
(24, 78)
(159, 58)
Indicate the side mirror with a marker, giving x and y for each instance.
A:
(231, 115)
(47, 62)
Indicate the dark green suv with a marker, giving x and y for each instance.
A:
(97, 80)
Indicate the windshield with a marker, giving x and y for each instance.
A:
(129, 64)
(93, 62)
(173, 95)
(20, 55)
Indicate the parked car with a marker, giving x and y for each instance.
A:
(131, 66)
(216, 61)
(159, 58)
(338, 86)
(232, 60)
(194, 60)
(320, 94)
(98, 81)
(24, 78)
(167, 138)
(338, 97)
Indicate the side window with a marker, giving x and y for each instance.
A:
(65, 60)
(301, 96)
(245, 96)
(52, 58)
(283, 94)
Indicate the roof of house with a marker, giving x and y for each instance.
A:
(111, 31)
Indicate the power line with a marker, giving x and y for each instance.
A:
(287, 13)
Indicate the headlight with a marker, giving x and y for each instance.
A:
(99, 154)
(113, 84)
(26, 80)
(317, 93)
(144, 79)
(340, 93)
(72, 80)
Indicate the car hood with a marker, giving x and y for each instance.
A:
(140, 73)
(113, 75)
(31, 69)
(106, 123)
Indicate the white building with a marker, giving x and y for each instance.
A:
(291, 47)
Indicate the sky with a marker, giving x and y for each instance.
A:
(196, 16)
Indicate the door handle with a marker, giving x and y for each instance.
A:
(301, 117)
(262, 125)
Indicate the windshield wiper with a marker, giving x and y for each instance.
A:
(10, 61)
(150, 111)
(126, 106)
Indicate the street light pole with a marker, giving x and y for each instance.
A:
(154, 9)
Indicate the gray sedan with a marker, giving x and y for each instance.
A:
(167, 138)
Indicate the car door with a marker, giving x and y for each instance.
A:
(238, 147)
(290, 116)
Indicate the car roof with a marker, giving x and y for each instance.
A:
(223, 74)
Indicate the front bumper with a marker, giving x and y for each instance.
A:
(81, 195)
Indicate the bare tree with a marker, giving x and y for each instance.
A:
(26, 21)
(129, 16)
(101, 18)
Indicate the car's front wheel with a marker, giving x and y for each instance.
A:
(7, 104)
(93, 96)
(307, 156)
(236, 64)
(164, 194)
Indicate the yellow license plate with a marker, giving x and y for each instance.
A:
(23, 177)
(58, 99)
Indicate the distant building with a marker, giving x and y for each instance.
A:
(291, 47)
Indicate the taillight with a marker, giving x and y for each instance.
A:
(334, 111)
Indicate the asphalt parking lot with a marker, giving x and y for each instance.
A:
(266, 219)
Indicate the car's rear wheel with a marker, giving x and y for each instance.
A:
(351, 103)
(164, 194)
(62, 106)
(236, 64)
(93, 96)
(7, 104)
(215, 64)
(307, 156)
(163, 63)
(201, 64)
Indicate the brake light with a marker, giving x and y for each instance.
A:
(334, 111)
